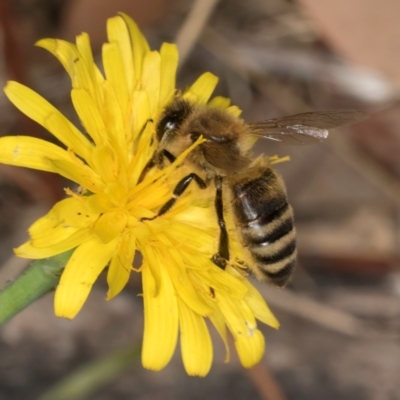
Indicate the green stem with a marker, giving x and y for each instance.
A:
(38, 279)
(91, 377)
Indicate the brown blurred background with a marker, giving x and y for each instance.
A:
(340, 317)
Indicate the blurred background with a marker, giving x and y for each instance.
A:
(340, 316)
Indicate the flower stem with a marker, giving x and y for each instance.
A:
(94, 375)
(37, 280)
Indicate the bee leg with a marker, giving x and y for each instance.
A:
(178, 191)
(222, 256)
(165, 153)
(152, 162)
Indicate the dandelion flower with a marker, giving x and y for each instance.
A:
(103, 220)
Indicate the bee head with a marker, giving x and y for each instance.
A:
(172, 118)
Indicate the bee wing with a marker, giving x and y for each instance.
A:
(227, 158)
(305, 128)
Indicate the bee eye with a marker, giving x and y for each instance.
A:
(165, 125)
(169, 125)
(173, 117)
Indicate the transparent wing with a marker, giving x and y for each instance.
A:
(305, 128)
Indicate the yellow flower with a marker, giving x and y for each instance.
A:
(102, 219)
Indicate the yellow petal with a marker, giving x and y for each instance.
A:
(72, 212)
(154, 263)
(259, 307)
(194, 216)
(218, 320)
(31, 250)
(160, 320)
(140, 111)
(151, 79)
(138, 141)
(250, 349)
(41, 111)
(116, 191)
(202, 89)
(64, 227)
(234, 110)
(117, 32)
(96, 77)
(196, 346)
(249, 341)
(85, 51)
(224, 282)
(89, 115)
(220, 102)
(139, 45)
(58, 235)
(64, 51)
(169, 64)
(114, 122)
(26, 151)
(81, 271)
(121, 265)
(105, 163)
(79, 173)
(115, 72)
(82, 75)
(143, 194)
(182, 283)
(110, 225)
(196, 238)
(98, 203)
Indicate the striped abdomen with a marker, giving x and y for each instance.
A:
(265, 221)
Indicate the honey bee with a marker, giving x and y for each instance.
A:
(262, 214)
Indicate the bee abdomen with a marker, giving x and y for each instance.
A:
(266, 224)
(273, 247)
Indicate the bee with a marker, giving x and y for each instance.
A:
(262, 214)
